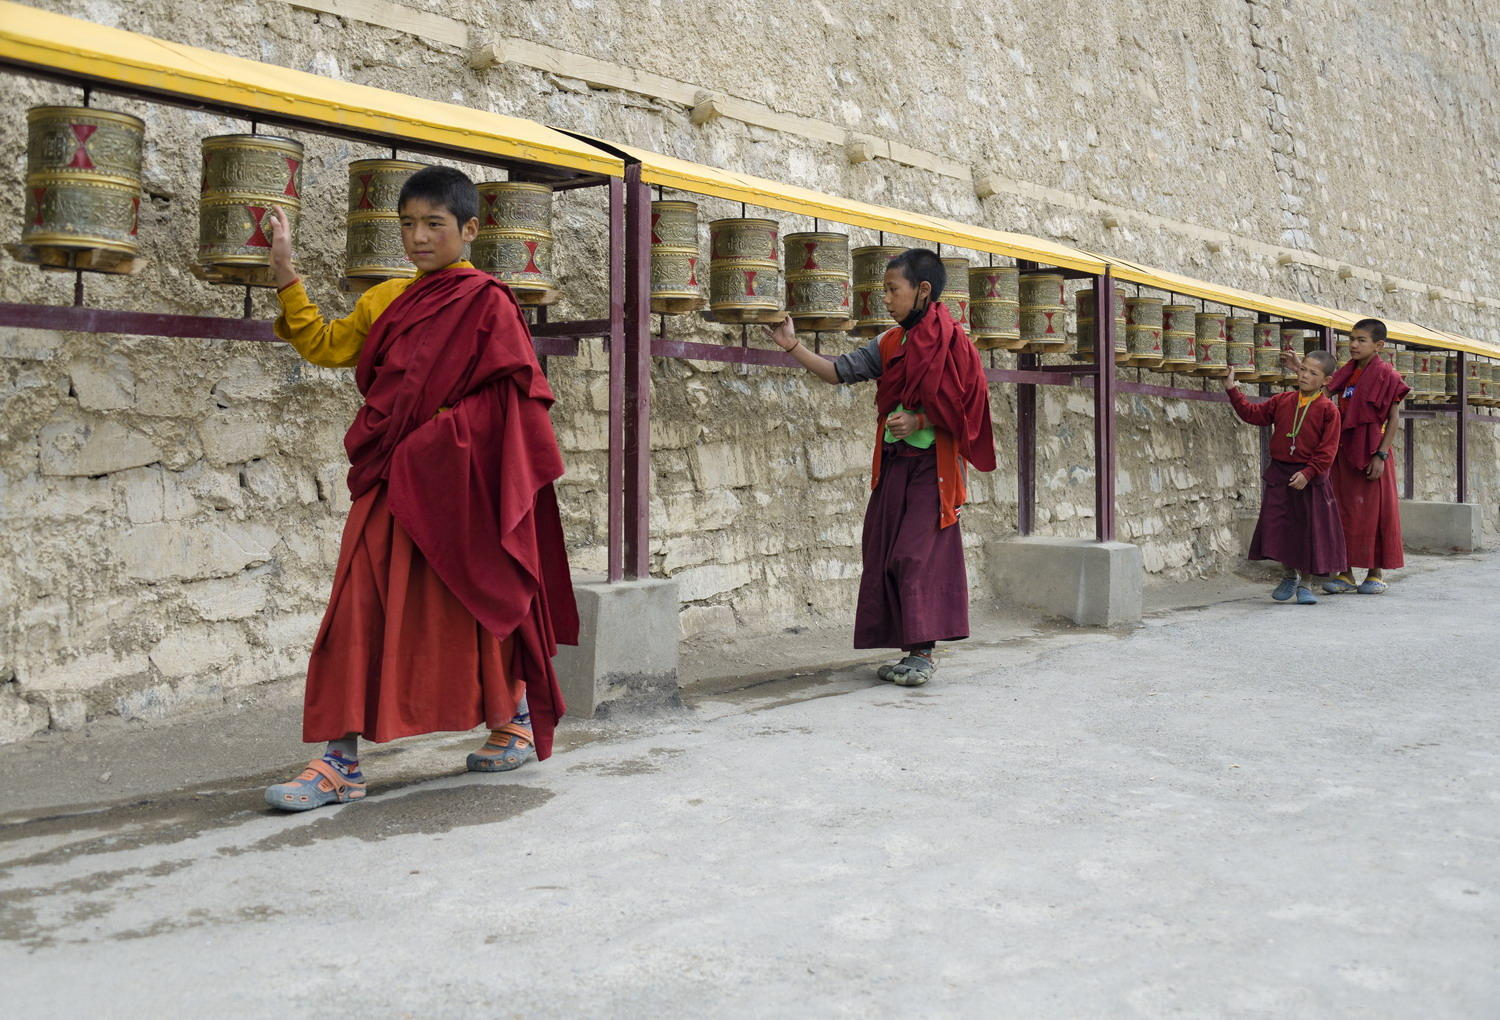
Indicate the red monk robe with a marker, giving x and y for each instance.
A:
(452, 589)
(1369, 509)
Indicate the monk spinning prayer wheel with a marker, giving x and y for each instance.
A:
(818, 292)
(1044, 327)
(994, 307)
(244, 178)
(515, 239)
(675, 258)
(1143, 318)
(1179, 334)
(870, 316)
(1084, 305)
(83, 190)
(373, 249)
(956, 290)
(1240, 349)
(1212, 344)
(744, 274)
(1267, 352)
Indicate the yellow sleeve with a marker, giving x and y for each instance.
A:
(333, 344)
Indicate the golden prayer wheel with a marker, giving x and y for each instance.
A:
(1212, 344)
(1179, 335)
(1406, 366)
(1267, 352)
(1294, 340)
(1044, 327)
(1240, 350)
(83, 189)
(818, 293)
(245, 177)
(870, 316)
(1421, 381)
(1478, 383)
(1490, 377)
(956, 290)
(744, 275)
(1084, 316)
(1388, 356)
(515, 239)
(1143, 317)
(373, 249)
(675, 258)
(1341, 349)
(1450, 378)
(994, 307)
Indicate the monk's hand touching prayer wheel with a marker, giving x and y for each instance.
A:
(1291, 361)
(281, 246)
(785, 334)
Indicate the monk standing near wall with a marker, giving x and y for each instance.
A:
(933, 419)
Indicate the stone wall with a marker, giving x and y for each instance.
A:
(172, 508)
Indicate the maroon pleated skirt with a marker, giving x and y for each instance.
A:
(1371, 515)
(1299, 528)
(914, 589)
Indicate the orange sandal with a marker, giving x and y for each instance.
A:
(320, 783)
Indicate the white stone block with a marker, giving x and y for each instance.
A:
(29, 344)
(199, 648)
(229, 440)
(102, 383)
(698, 583)
(82, 449)
(19, 718)
(166, 552)
(230, 598)
(84, 672)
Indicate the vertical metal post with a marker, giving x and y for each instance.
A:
(1025, 437)
(1265, 434)
(1461, 423)
(637, 374)
(1104, 406)
(1408, 458)
(1325, 334)
(615, 481)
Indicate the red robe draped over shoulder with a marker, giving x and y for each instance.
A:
(1369, 508)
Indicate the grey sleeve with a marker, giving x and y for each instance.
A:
(860, 365)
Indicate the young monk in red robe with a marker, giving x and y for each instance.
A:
(933, 412)
(1369, 393)
(452, 587)
(1299, 521)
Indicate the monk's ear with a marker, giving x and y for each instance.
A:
(470, 230)
(924, 290)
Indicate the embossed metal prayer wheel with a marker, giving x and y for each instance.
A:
(870, 316)
(1341, 349)
(1294, 340)
(1084, 316)
(1240, 349)
(1478, 382)
(956, 290)
(1450, 378)
(1212, 344)
(994, 307)
(245, 177)
(515, 239)
(1421, 381)
(1406, 365)
(1267, 352)
(1489, 377)
(1044, 327)
(675, 258)
(1143, 316)
(1179, 339)
(744, 271)
(373, 250)
(83, 189)
(818, 292)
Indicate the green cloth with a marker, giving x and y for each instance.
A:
(922, 439)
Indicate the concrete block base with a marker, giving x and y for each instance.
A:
(1096, 584)
(626, 656)
(1441, 527)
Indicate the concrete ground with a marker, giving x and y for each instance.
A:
(1237, 809)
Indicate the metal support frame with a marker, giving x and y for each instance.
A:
(1461, 419)
(636, 550)
(1104, 407)
(1026, 436)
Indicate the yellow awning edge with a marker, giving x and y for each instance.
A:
(42, 39)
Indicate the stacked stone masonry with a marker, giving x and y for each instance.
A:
(172, 508)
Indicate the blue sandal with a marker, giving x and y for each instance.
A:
(1285, 590)
(913, 671)
(1305, 597)
(320, 783)
(1372, 586)
(507, 749)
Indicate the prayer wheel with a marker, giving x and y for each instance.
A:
(1267, 352)
(870, 316)
(1240, 350)
(1406, 365)
(515, 239)
(1490, 377)
(818, 293)
(675, 258)
(1084, 305)
(83, 189)
(373, 249)
(1478, 383)
(1295, 341)
(1341, 349)
(1143, 317)
(956, 290)
(1212, 344)
(1422, 375)
(1450, 378)
(1179, 334)
(994, 307)
(244, 178)
(1044, 326)
(744, 275)
(1388, 356)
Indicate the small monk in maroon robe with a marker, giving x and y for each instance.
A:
(933, 422)
(452, 588)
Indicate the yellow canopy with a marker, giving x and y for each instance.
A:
(114, 57)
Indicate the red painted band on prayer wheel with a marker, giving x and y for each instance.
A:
(818, 291)
(373, 249)
(1143, 316)
(1267, 352)
(1240, 350)
(1083, 303)
(515, 239)
(1421, 378)
(1295, 341)
(1044, 318)
(1179, 338)
(956, 290)
(994, 311)
(245, 177)
(1478, 383)
(744, 272)
(676, 261)
(1491, 379)
(1450, 377)
(83, 180)
(870, 316)
(1212, 344)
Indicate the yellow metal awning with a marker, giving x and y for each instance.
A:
(112, 56)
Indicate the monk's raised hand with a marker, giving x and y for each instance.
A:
(281, 237)
(785, 334)
(1290, 360)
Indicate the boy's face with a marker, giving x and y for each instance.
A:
(432, 236)
(1362, 344)
(901, 297)
(1310, 377)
